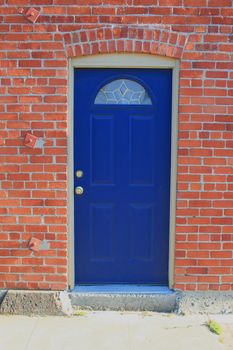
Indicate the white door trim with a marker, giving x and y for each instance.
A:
(123, 61)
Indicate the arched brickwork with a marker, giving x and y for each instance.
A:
(157, 41)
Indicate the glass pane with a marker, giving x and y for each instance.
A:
(123, 92)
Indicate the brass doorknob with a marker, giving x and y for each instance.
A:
(79, 190)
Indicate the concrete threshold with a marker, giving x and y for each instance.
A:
(124, 298)
(115, 298)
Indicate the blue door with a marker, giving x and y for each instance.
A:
(122, 145)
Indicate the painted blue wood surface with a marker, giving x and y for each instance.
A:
(122, 219)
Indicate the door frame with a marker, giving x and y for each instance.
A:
(123, 61)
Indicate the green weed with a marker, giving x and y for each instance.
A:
(80, 313)
(214, 327)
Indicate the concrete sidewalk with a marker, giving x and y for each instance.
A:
(114, 330)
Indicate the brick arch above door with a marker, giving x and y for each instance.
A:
(125, 39)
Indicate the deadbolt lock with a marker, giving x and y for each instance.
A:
(79, 190)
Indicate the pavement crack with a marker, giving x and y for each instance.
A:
(31, 333)
(184, 327)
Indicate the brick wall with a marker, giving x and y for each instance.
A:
(33, 93)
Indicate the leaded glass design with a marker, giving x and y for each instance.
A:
(123, 92)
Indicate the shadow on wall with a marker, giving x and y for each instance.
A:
(3, 293)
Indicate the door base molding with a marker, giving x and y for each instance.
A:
(122, 289)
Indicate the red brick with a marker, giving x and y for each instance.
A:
(224, 3)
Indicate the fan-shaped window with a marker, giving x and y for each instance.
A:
(123, 92)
